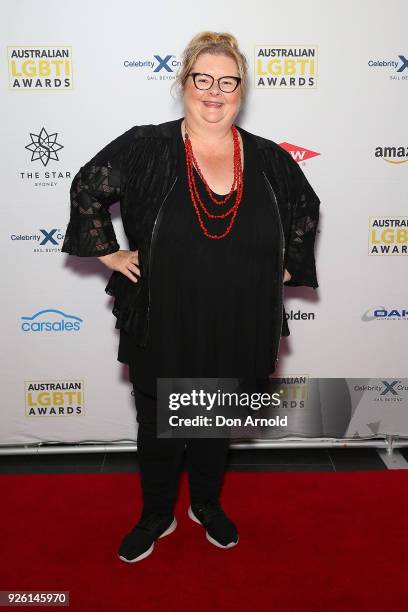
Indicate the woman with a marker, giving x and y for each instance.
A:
(217, 220)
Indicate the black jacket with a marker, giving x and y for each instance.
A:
(139, 169)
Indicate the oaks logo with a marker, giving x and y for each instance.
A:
(381, 313)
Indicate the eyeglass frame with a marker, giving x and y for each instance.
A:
(194, 74)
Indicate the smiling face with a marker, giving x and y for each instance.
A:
(212, 105)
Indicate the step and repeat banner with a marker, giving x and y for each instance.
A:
(328, 83)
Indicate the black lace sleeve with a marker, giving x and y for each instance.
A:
(94, 189)
(300, 259)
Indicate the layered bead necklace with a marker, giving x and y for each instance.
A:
(237, 184)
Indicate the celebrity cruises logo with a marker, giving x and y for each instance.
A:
(156, 67)
(396, 67)
(39, 241)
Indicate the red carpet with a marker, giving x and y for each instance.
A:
(308, 541)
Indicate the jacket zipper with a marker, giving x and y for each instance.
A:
(155, 226)
(275, 201)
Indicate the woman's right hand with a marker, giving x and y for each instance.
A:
(126, 262)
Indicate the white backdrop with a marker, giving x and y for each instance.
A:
(353, 117)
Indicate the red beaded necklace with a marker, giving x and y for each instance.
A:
(237, 183)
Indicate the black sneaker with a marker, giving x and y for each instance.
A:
(221, 531)
(139, 543)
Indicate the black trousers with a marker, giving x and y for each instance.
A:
(160, 462)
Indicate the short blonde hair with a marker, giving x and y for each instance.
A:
(215, 43)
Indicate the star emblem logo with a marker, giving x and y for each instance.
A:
(44, 147)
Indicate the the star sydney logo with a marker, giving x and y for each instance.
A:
(44, 147)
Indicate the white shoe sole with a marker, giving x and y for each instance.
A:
(209, 538)
(149, 551)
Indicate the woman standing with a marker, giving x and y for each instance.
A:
(217, 220)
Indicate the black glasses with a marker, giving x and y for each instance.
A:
(227, 84)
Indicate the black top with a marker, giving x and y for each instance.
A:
(211, 299)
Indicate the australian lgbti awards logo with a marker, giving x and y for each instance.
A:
(50, 320)
(156, 67)
(392, 154)
(40, 68)
(286, 66)
(388, 236)
(40, 241)
(45, 150)
(299, 154)
(54, 398)
(293, 391)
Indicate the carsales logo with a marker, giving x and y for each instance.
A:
(51, 320)
(299, 154)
